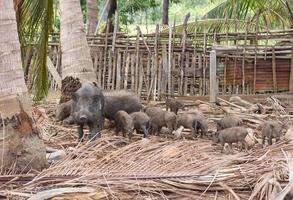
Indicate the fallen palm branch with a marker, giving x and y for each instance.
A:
(161, 167)
(156, 168)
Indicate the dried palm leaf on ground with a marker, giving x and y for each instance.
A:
(155, 168)
(159, 167)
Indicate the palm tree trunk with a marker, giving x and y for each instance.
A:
(92, 18)
(111, 14)
(76, 59)
(165, 13)
(20, 145)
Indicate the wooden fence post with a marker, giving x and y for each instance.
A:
(213, 76)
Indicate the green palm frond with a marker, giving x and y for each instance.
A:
(274, 14)
(36, 18)
(234, 14)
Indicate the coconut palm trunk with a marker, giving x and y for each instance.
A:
(165, 12)
(76, 59)
(21, 149)
(92, 18)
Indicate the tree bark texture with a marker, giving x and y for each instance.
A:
(21, 149)
(76, 58)
(92, 19)
(165, 13)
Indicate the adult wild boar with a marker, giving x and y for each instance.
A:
(88, 109)
(120, 100)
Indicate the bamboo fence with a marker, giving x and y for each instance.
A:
(177, 63)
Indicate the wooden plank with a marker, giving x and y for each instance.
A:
(114, 64)
(185, 74)
(200, 66)
(254, 74)
(170, 59)
(274, 72)
(118, 72)
(110, 66)
(124, 54)
(132, 69)
(141, 73)
(104, 85)
(136, 63)
(243, 59)
(291, 73)
(193, 66)
(165, 72)
(225, 75)
(183, 44)
(234, 75)
(155, 66)
(100, 64)
(126, 71)
(159, 78)
(148, 73)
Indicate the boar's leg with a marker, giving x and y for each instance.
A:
(170, 127)
(94, 132)
(130, 134)
(263, 140)
(145, 131)
(270, 140)
(245, 145)
(101, 122)
(117, 129)
(80, 132)
(223, 146)
(230, 147)
(124, 132)
(277, 139)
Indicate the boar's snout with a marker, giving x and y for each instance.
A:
(83, 118)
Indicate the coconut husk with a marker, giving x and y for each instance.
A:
(68, 86)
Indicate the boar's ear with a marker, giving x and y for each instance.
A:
(98, 99)
(95, 84)
(74, 96)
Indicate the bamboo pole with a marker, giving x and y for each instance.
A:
(118, 72)
(274, 72)
(141, 73)
(184, 38)
(132, 69)
(137, 62)
(291, 73)
(243, 59)
(170, 60)
(204, 57)
(126, 71)
(165, 69)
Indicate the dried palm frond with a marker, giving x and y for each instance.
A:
(156, 168)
